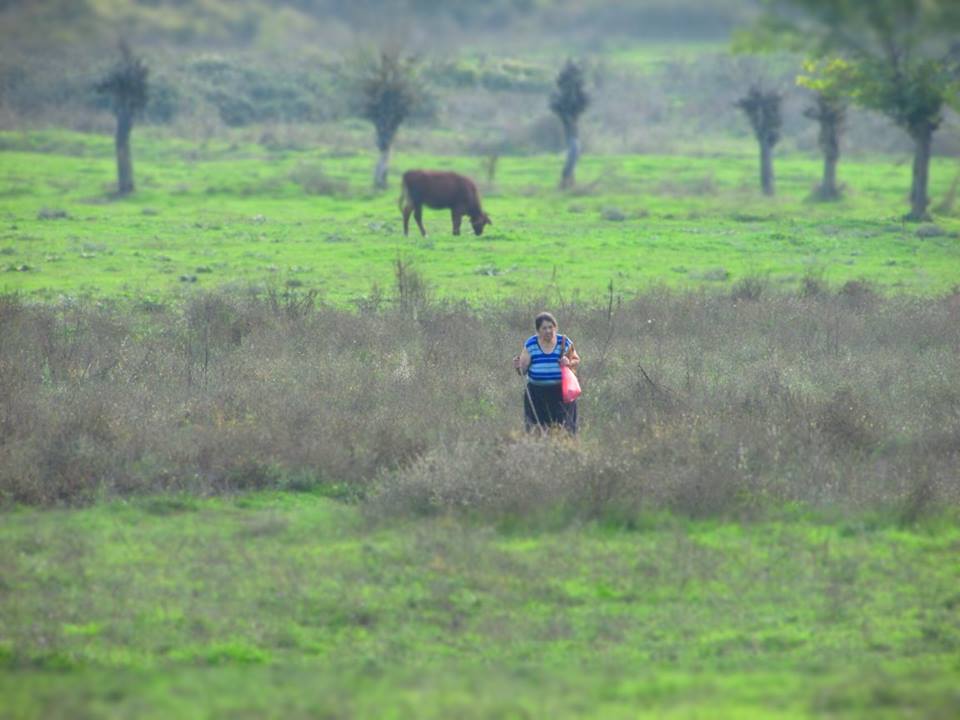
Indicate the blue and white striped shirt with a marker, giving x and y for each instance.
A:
(545, 368)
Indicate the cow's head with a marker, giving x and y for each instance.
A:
(479, 221)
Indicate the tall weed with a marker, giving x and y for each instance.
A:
(692, 401)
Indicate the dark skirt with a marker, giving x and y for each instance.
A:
(548, 409)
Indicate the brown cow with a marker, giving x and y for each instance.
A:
(437, 189)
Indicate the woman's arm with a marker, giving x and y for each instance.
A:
(522, 361)
(570, 358)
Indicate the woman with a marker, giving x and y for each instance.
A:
(540, 359)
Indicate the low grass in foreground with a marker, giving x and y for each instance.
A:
(293, 605)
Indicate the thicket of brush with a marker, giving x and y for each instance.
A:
(700, 403)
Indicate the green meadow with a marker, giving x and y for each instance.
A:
(262, 455)
(315, 601)
(294, 605)
(222, 213)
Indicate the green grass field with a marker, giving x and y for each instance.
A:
(227, 214)
(293, 605)
(298, 605)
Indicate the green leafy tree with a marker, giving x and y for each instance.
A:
(762, 108)
(899, 59)
(125, 85)
(390, 90)
(569, 101)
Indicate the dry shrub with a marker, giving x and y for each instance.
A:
(682, 463)
(813, 285)
(749, 288)
(68, 461)
(315, 181)
(845, 420)
(858, 294)
(522, 476)
(691, 402)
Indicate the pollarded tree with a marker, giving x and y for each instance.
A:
(389, 91)
(899, 57)
(830, 112)
(762, 108)
(125, 85)
(569, 101)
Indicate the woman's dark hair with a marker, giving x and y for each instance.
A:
(542, 317)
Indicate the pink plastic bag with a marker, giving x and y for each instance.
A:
(569, 385)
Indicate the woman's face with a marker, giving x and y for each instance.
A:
(547, 331)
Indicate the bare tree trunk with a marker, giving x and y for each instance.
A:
(919, 199)
(766, 167)
(830, 112)
(830, 143)
(383, 166)
(124, 159)
(573, 154)
(828, 187)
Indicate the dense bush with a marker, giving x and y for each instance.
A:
(701, 403)
(237, 89)
(500, 74)
(664, 105)
(244, 91)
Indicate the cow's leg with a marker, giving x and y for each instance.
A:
(457, 219)
(418, 216)
(406, 218)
